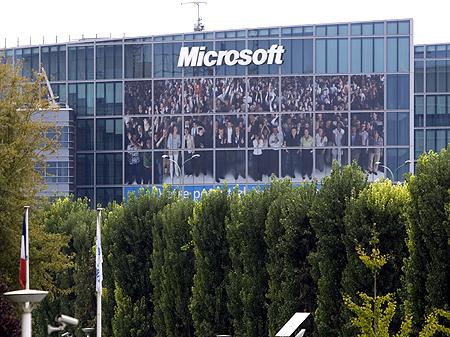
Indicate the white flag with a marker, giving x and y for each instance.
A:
(98, 257)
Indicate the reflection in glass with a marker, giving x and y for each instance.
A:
(230, 165)
(138, 167)
(296, 93)
(367, 92)
(332, 93)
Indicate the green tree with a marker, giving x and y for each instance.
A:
(172, 269)
(374, 317)
(23, 146)
(380, 209)
(128, 246)
(289, 239)
(329, 259)
(247, 276)
(428, 266)
(9, 322)
(208, 304)
(129, 318)
(75, 284)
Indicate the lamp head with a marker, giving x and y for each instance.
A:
(164, 156)
(26, 295)
(196, 155)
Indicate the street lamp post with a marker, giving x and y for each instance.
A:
(396, 170)
(27, 298)
(165, 156)
(387, 168)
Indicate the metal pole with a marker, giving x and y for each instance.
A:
(26, 320)
(390, 171)
(27, 250)
(26, 315)
(97, 281)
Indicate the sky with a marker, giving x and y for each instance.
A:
(46, 19)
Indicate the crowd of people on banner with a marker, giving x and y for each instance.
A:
(332, 93)
(138, 98)
(367, 92)
(277, 143)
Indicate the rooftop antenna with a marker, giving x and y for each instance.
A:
(199, 26)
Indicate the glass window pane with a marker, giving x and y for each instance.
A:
(166, 60)
(419, 110)
(367, 57)
(109, 168)
(85, 134)
(85, 169)
(343, 30)
(367, 29)
(332, 56)
(321, 56)
(356, 56)
(418, 76)
(356, 29)
(343, 56)
(109, 134)
(441, 76)
(107, 195)
(403, 54)
(138, 61)
(321, 30)
(403, 27)
(379, 55)
(419, 146)
(392, 55)
(431, 76)
(392, 28)
(397, 128)
(431, 105)
(379, 28)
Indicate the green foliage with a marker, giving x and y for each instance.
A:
(247, 276)
(327, 220)
(374, 316)
(208, 305)
(289, 239)
(72, 285)
(128, 245)
(428, 265)
(22, 147)
(433, 323)
(172, 269)
(9, 323)
(129, 318)
(375, 220)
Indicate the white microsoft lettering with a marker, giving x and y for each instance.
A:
(199, 56)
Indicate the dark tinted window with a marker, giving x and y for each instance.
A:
(138, 61)
(109, 62)
(109, 134)
(109, 168)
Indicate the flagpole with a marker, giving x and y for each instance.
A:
(27, 250)
(99, 272)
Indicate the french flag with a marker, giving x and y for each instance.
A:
(23, 256)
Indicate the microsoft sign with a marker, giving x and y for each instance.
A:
(199, 56)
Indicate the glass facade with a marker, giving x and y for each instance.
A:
(342, 92)
(431, 98)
